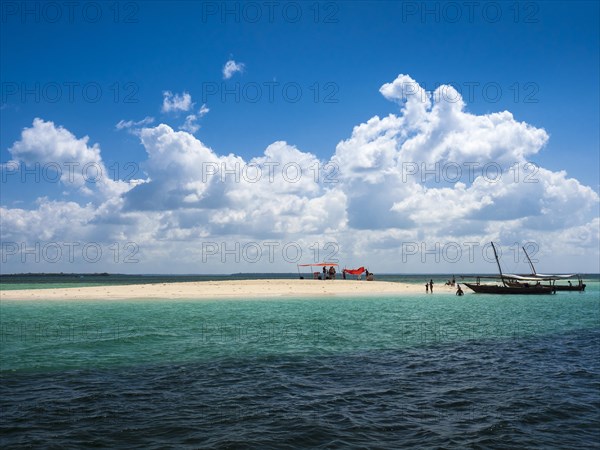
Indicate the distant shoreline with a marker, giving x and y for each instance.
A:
(244, 275)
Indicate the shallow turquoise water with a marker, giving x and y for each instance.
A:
(422, 371)
(57, 335)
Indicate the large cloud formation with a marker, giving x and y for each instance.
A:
(394, 195)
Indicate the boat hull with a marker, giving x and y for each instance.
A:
(570, 288)
(514, 290)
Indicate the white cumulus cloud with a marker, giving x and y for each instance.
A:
(419, 176)
(125, 124)
(45, 146)
(204, 110)
(176, 102)
(231, 67)
(191, 121)
(191, 124)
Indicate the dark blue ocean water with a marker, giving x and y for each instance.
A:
(392, 372)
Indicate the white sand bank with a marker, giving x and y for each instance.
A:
(225, 289)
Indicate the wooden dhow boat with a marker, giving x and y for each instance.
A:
(513, 284)
(580, 286)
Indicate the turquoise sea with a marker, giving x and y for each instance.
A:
(413, 371)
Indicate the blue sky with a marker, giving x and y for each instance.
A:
(536, 60)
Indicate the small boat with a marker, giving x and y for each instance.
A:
(512, 284)
(580, 286)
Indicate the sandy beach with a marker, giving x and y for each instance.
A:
(225, 289)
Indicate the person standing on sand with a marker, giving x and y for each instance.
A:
(427, 288)
(431, 285)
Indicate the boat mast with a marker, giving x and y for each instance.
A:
(530, 263)
(498, 262)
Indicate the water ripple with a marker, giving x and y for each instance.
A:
(540, 393)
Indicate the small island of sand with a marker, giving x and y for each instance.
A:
(239, 289)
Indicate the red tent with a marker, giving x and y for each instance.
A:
(358, 271)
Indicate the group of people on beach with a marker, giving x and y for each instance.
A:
(369, 276)
(429, 286)
(329, 274)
